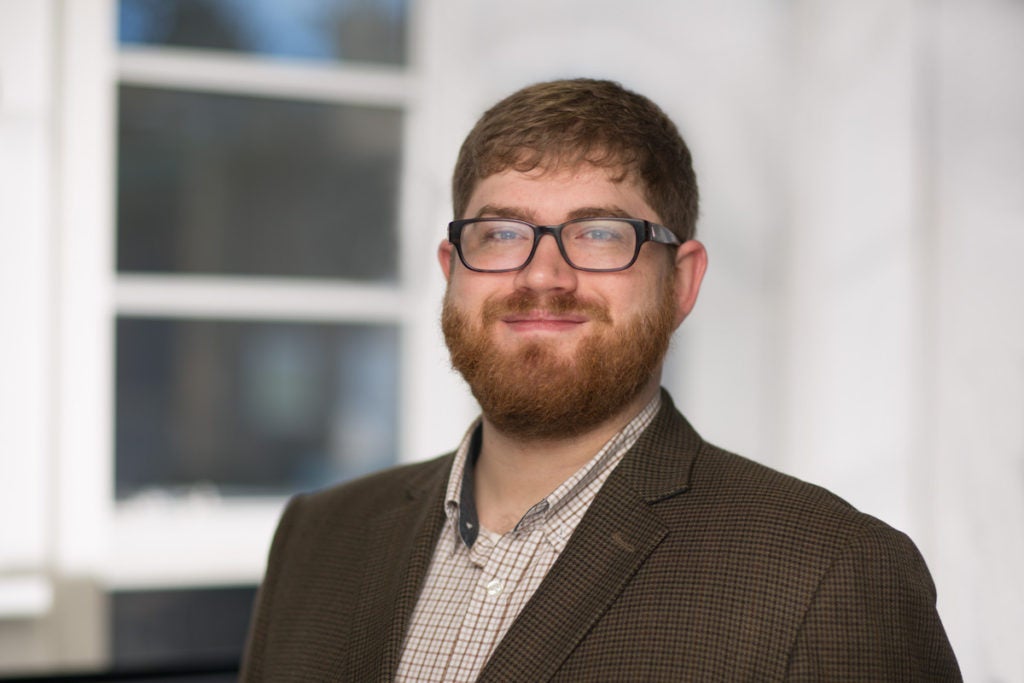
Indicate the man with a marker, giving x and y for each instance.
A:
(583, 530)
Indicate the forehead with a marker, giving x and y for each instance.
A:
(551, 196)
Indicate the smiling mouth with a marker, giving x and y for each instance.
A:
(526, 311)
(542, 317)
(541, 321)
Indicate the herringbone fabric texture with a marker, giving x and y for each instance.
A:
(692, 564)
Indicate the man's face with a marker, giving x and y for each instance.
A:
(550, 351)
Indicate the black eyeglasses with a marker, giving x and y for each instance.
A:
(601, 245)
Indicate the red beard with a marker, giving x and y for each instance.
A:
(534, 392)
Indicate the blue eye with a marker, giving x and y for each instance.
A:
(503, 235)
(498, 234)
(598, 235)
(600, 232)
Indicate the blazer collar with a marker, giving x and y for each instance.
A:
(658, 466)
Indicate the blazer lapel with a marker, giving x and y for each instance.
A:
(400, 544)
(613, 540)
(607, 548)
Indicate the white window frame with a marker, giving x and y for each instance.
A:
(26, 295)
(196, 540)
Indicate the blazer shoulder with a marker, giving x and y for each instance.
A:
(840, 592)
(758, 492)
(687, 478)
(332, 552)
(675, 469)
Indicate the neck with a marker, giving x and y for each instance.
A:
(514, 474)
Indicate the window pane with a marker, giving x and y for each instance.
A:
(222, 184)
(362, 30)
(192, 629)
(252, 408)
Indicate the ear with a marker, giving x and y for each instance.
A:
(690, 264)
(446, 257)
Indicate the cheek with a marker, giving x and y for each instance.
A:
(634, 312)
(642, 298)
(625, 296)
(470, 292)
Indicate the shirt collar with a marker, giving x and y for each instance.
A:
(469, 522)
(465, 459)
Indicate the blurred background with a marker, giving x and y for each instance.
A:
(218, 285)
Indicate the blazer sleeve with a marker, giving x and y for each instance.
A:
(252, 667)
(873, 617)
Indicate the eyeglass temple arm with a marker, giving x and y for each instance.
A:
(662, 235)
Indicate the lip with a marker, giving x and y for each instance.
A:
(543, 321)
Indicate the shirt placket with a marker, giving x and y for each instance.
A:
(501, 562)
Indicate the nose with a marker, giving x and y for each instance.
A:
(547, 270)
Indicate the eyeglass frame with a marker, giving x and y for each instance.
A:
(646, 231)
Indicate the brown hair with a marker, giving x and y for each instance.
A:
(561, 124)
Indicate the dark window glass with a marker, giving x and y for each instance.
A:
(252, 408)
(222, 184)
(191, 633)
(361, 30)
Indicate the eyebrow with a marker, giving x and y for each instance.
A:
(528, 216)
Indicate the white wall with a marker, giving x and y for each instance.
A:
(862, 173)
(973, 396)
(26, 244)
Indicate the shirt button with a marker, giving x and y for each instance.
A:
(494, 587)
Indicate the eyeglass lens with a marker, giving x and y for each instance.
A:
(497, 244)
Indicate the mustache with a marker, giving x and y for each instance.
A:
(556, 304)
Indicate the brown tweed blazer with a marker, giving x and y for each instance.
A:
(692, 564)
